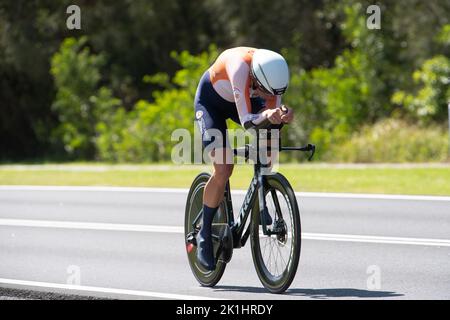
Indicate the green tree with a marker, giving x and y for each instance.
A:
(29, 34)
(430, 99)
(333, 102)
(146, 135)
(79, 103)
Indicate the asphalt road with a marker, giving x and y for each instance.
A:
(128, 244)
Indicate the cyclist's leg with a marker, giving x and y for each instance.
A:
(223, 169)
(212, 197)
(209, 119)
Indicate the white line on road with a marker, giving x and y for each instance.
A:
(90, 226)
(92, 188)
(370, 196)
(376, 239)
(102, 290)
(238, 192)
(180, 230)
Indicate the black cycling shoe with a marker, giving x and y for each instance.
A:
(205, 255)
(266, 216)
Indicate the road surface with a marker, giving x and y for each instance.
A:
(128, 243)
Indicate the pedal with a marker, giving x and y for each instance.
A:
(190, 238)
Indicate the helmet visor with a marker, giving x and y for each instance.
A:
(261, 87)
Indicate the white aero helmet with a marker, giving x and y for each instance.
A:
(270, 71)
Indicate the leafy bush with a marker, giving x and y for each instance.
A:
(331, 103)
(94, 125)
(79, 103)
(393, 140)
(430, 101)
(144, 134)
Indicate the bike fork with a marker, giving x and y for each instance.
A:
(262, 202)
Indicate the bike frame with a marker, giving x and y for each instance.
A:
(255, 190)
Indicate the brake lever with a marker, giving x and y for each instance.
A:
(312, 148)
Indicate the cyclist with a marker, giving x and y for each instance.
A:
(244, 84)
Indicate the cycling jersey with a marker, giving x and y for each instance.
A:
(212, 111)
(224, 92)
(230, 77)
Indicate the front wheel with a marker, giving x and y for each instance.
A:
(276, 256)
(194, 207)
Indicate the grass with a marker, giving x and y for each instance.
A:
(389, 179)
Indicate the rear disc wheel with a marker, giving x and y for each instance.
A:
(194, 206)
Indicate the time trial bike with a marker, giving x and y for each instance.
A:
(274, 227)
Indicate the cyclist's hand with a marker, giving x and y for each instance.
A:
(288, 115)
(274, 115)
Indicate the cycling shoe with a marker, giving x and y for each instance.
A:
(205, 254)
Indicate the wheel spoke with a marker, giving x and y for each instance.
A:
(270, 253)
(276, 259)
(276, 249)
(265, 246)
(281, 255)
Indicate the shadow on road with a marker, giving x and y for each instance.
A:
(318, 293)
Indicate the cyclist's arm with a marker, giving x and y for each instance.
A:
(238, 72)
(273, 102)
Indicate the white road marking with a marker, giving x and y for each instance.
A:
(90, 226)
(376, 239)
(180, 230)
(102, 290)
(93, 189)
(238, 192)
(374, 196)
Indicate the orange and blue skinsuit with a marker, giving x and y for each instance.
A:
(225, 92)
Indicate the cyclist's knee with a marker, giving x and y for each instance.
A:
(222, 172)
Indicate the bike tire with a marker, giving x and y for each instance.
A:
(194, 204)
(277, 284)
